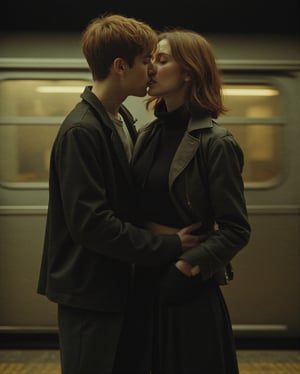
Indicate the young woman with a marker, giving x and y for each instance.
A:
(188, 169)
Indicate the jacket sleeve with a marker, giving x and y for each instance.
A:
(89, 216)
(225, 191)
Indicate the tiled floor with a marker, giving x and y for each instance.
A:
(250, 362)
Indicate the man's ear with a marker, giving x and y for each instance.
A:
(119, 64)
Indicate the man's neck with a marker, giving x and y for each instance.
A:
(109, 94)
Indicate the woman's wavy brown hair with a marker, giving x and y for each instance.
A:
(195, 56)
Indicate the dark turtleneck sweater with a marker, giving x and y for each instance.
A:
(151, 169)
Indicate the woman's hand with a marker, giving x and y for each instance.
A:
(187, 269)
(184, 267)
(195, 270)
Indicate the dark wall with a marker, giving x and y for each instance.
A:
(220, 16)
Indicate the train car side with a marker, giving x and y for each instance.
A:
(41, 77)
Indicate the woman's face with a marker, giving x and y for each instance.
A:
(167, 78)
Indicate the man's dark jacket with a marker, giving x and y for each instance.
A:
(93, 231)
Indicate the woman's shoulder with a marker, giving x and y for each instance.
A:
(210, 130)
(217, 138)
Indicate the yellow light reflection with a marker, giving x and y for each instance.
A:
(250, 92)
(60, 89)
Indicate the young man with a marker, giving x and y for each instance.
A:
(93, 233)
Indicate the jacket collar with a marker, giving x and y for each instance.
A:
(186, 149)
(199, 123)
(96, 104)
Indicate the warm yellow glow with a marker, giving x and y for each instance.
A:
(250, 92)
(60, 89)
(226, 91)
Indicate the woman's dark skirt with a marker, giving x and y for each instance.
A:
(193, 333)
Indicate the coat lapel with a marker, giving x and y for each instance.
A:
(104, 120)
(185, 152)
(187, 147)
(144, 137)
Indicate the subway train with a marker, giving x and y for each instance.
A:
(41, 78)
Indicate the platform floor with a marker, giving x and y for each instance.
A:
(37, 361)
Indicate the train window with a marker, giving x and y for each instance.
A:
(31, 112)
(253, 116)
(38, 98)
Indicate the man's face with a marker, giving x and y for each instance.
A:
(137, 77)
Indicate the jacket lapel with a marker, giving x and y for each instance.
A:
(187, 147)
(145, 135)
(185, 152)
(104, 120)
